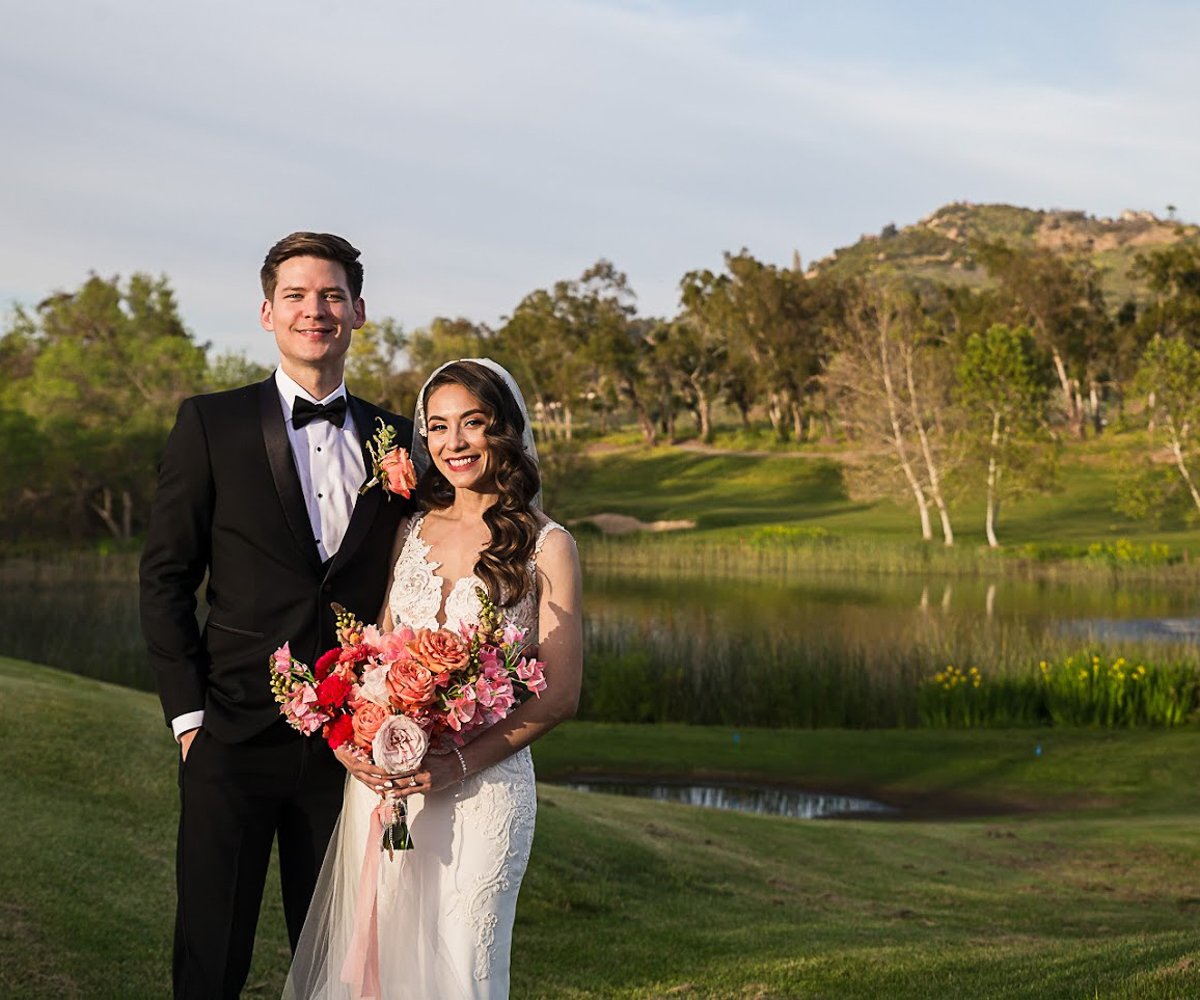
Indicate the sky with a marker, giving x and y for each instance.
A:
(476, 150)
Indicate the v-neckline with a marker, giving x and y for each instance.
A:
(439, 619)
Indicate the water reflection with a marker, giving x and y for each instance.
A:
(1135, 629)
(788, 802)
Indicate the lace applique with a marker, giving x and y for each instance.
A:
(499, 803)
(416, 595)
(501, 806)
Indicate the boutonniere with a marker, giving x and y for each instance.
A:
(390, 466)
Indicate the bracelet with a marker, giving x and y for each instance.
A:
(462, 760)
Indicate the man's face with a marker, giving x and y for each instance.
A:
(312, 314)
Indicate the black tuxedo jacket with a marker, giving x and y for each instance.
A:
(229, 504)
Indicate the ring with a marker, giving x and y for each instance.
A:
(413, 782)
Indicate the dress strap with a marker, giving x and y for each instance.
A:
(546, 528)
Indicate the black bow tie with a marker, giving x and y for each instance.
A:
(304, 412)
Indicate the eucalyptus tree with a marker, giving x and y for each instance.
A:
(776, 320)
(1003, 387)
(1062, 302)
(568, 341)
(1172, 277)
(696, 346)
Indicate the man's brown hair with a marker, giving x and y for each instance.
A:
(326, 246)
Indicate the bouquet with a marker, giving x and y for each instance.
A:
(385, 696)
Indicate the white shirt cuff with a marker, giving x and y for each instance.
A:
(185, 723)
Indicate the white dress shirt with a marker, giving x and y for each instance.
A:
(330, 463)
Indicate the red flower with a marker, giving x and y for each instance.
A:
(326, 663)
(340, 731)
(333, 691)
(354, 654)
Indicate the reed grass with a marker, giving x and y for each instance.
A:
(681, 664)
(779, 551)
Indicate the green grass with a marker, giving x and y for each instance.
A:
(734, 497)
(1070, 874)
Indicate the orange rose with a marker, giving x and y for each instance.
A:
(410, 684)
(442, 651)
(368, 717)
(398, 472)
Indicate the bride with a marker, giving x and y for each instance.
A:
(443, 916)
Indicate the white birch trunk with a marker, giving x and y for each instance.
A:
(898, 438)
(931, 470)
(993, 483)
(1180, 461)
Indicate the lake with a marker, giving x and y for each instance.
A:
(828, 649)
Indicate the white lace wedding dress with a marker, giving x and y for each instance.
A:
(446, 907)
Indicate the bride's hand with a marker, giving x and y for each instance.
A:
(373, 777)
(437, 771)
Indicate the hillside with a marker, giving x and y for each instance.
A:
(939, 246)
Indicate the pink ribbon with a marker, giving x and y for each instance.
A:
(361, 968)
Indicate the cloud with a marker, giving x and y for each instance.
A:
(476, 151)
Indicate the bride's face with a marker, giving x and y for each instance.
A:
(456, 423)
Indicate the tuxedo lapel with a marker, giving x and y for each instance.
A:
(283, 471)
(367, 504)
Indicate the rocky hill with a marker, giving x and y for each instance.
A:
(939, 246)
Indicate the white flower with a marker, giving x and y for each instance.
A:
(374, 686)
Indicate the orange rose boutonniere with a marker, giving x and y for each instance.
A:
(390, 465)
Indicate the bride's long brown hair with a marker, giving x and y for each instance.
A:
(511, 519)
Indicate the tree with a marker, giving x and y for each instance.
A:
(231, 369)
(1172, 276)
(105, 368)
(1062, 302)
(776, 321)
(697, 345)
(1170, 375)
(886, 374)
(375, 367)
(1003, 388)
(547, 346)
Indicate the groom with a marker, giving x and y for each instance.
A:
(259, 491)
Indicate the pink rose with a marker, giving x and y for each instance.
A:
(399, 474)
(393, 646)
(399, 744)
(368, 717)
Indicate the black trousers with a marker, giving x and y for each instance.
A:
(235, 799)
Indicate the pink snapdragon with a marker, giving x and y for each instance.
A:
(282, 658)
(460, 711)
(304, 709)
(529, 672)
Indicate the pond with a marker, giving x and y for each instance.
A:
(823, 650)
(766, 801)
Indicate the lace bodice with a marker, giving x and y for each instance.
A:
(416, 595)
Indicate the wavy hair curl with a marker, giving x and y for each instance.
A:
(511, 519)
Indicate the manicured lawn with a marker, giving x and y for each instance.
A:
(728, 493)
(1073, 873)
